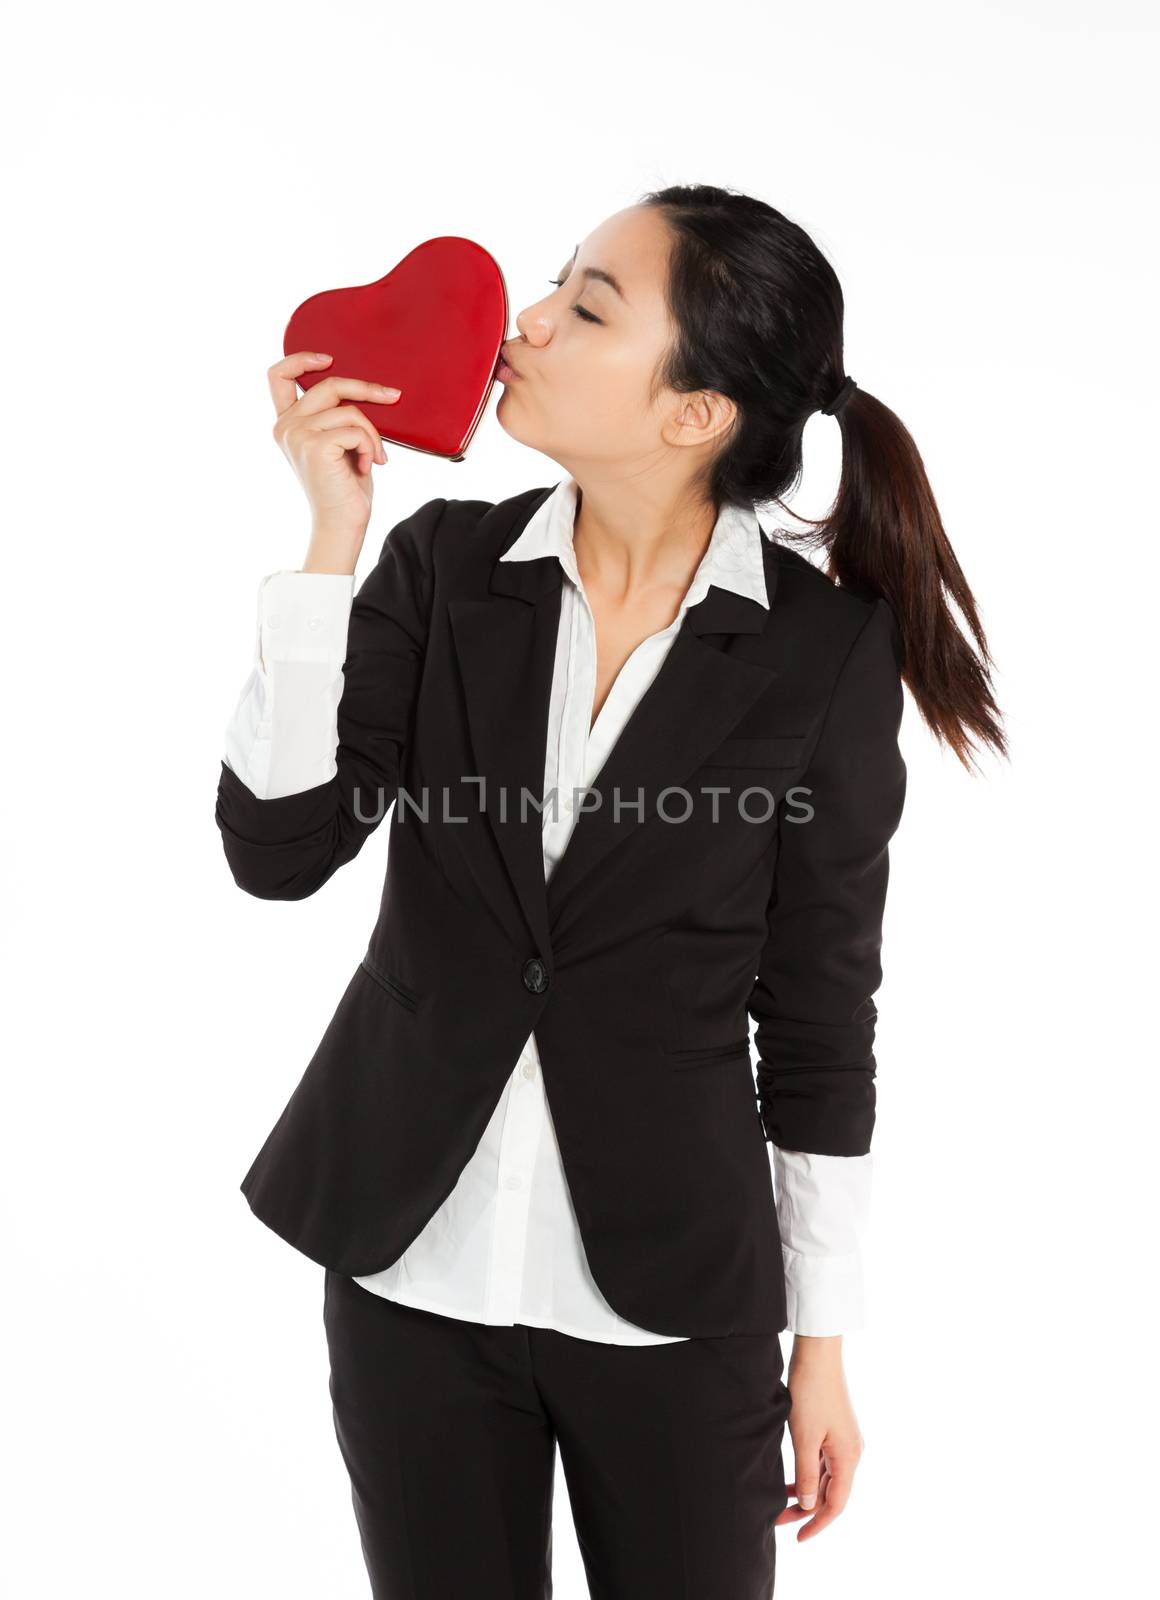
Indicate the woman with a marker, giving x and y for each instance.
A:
(527, 1150)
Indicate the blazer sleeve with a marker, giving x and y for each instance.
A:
(286, 848)
(820, 966)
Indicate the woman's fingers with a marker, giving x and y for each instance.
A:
(822, 1487)
(344, 417)
(329, 441)
(353, 438)
(320, 409)
(281, 376)
(326, 393)
(329, 391)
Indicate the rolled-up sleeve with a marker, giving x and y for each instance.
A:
(821, 963)
(819, 970)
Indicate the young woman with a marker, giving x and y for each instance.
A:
(528, 1151)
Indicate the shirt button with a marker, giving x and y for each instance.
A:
(314, 622)
(535, 975)
(529, 1069)
(273, 620)
(515, 1181)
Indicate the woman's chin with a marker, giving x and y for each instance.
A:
(514, 429)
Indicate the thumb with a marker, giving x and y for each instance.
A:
(806, 1478)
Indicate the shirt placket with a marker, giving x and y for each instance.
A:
(578, 701)
(519, 1142)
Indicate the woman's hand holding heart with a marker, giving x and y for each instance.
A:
(331, 446)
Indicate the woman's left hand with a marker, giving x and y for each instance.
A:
(827, 1443)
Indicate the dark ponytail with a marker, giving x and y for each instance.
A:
(759, 314)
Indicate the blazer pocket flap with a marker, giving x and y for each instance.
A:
(786, 750)
(713, 1052)
(398, 990)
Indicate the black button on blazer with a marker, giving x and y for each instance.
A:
(742, 876)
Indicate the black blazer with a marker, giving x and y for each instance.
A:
(639, 964)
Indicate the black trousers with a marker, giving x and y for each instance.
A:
(449, 1428)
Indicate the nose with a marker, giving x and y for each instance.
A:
(534, 329)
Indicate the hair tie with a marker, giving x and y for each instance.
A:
(840, 398)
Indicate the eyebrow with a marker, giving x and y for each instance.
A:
(600, 276)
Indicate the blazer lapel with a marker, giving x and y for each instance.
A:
(506, 645)
(700, 693)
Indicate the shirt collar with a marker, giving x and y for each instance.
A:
(733, 559)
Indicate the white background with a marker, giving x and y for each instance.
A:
(176, 181)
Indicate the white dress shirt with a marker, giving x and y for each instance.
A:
(505, 1245)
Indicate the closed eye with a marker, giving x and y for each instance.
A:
(585, 316)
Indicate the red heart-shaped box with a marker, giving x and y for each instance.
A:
(432, 327)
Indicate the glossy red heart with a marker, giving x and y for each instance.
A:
(432, 327)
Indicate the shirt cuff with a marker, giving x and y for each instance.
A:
(283, 734)
(825, 1295)
(823, 1205)
(304, 616)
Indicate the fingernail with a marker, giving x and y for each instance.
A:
(320, 355)
(807, 1501)
(385, 389)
